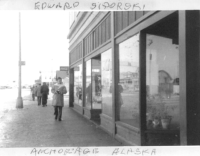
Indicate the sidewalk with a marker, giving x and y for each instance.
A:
(35, 126)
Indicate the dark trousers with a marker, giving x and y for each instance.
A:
(39, 100)
(58, 112)
(44, 99)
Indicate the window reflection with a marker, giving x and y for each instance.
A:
(162, 79)
(78, 84)
(88, 89)
(106, 80)
(96, 83)
(128, 87)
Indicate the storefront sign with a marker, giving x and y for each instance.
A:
(64, 68)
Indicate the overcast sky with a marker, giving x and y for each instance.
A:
(44, 44)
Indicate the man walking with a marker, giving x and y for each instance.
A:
(38, 93)
(45, 93)
(58, 91)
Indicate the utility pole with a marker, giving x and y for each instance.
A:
(19, 99)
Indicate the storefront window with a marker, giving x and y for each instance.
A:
(162, 83)
(78, 85)
(96, 83)
(106, 80)
(88, 89)
(127, 107)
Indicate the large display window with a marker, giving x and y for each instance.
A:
(162, 83)
(93, 94)
(96, 83)
(106, 82)
(127, 107)
(78, 85)
(88, 86)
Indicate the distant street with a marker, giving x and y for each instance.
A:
(9, 97)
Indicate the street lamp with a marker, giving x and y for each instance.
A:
(19, 99)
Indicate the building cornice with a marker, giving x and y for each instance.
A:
(87, 25)
(76, 24)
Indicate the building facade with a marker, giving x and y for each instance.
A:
(136, 74)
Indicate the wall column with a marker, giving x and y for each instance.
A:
(114, 72)
(71, 87)
(189, 47)
(142, 95)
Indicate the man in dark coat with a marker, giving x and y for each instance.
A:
(45, 93)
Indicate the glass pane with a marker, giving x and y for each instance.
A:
(106, 77)
(162, 79)
(78, 85)
(96, 83)
(128, 87)
(88, 89)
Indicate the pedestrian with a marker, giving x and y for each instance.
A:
(33, 92)
(38, 93)
(58, 91)
(45, 93)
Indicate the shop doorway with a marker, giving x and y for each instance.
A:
(96, 88)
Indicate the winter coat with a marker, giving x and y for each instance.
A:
(58, 98)
(45, 89)
(38, 91)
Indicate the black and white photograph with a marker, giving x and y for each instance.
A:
(99, 78)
